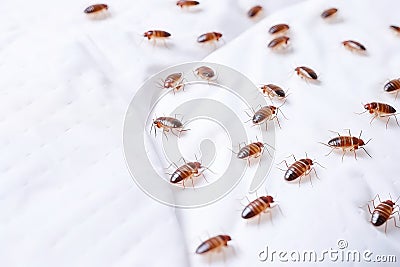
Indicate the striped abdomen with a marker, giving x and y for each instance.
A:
(156, 34)
(186, 3)
(256, 207)
(263, 114)
(96, 8)
(354, 46)
(251, 150)
(306, 73)
(382, 108)
(345, 142)
(184, 172)
(298, 169)
(279, 28)
(279, 42)
(210, 36)
(392, 85)
(213, 243)
(382, 213)
(168, 122)
(254, 11)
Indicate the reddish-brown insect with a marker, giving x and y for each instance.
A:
(187, 3)
(272, 91)
(209, 37)
(279, 43)
(395, 29)
(279, 29)
(254, 11)
(156, 34)
(98, 11)
(380, 110)
(205, 73)
(266, 113)
(187, 171)
(392, 86)
(354, 46)
(98, 8)
(253, 150)
(345, 143)
(215, 243)
(300, 168)
(383, 212)
(306, 73)
(257, 206)
(329, 13)
(168, 124)
(174, 81)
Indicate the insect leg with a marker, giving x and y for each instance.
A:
(344, 152)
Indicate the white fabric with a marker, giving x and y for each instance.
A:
(66, 197)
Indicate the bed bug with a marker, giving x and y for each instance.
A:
(97, 10)
(210, 37)
(272, 90)
(354, 46)
(329, 13)
(392, 86)
(306, 73)
(380, 110)
(187, 171)
(279, 43)
(345, 143)
(395, 29)
(279, 29)
(157, 35)
(383, 212)
(252, 150)
(213, 244)
(300, 168)
(267, 113)
(257, 206)
(187, 3)
(254, 11)
(205, 73)
(174, 81)
(168, 124)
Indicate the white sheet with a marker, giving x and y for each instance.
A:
(66, 197)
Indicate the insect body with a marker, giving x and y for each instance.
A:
(186, 3)
(168, 124)
(278, 29)
(205, 73)
(383, 212)
(272, 90)
(156, 34)
(354, 46)
(185, 172)
(279, 43)
(213, 244)
(299, 169)
(392, 86)
(306, 73)
(209, 37)
(266, 113)
(97, 11)
(329, 13)
(253, 150)
(381, 110)
(254, 11)
(174, 81)
(257, 206)
(395, 29)
(345, 143)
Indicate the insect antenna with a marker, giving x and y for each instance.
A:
(367, 151)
